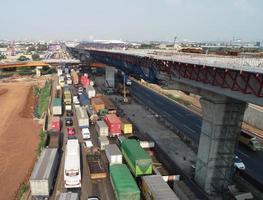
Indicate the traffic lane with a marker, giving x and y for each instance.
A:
(252, 160)
(183, 120)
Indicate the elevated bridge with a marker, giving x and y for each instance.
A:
(225, 85)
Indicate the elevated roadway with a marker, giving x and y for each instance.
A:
(225, 86)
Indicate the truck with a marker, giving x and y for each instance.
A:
(61, 81)
(54, 140)
(114, 124)
(44, 172)
(154, 187)
(249, 140)
(113, 154)
(93, 117)
(55, 124)
(102, 128)
(68, 107)
(57, 106)
(82, 117)
(124, 185)
(126, 126)
(103, 141)
(97, 104)
(112, 109)
(96, 168)
(72, 168)
(137, 159)
(83, 99)
(67, 96)
(90, 91)
(68, 196)
(75, 77)
(84, 79)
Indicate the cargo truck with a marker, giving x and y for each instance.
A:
(114, 124)
(92, 115)
(75, 77)
(84, 79)
(82, 117)
(55, 124)
(112, 109)
(250, 141)
(96, 168)
(43, 174)
(54, 140)
(83, 99)
(137, 159)
(68, 107)
(102, 128)
(126, 126)
(57, 106)
(67, 97)
(69, 196)
(154, 187)
(97, 104)
(103, 141)
(124, 185)
(113, 154)
(90, 91)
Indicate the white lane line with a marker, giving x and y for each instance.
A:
(243, 154)
(189, 128)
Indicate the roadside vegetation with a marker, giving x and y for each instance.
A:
(42, 141)
(22, 189)
(178, 99)
(43, 95)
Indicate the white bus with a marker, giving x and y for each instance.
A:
(72, 173)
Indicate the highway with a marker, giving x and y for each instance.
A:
(190, 123)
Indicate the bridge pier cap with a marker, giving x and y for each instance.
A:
(221, 126)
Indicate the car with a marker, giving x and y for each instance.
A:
(80, 90)
(69, 113)
(238, 163)
(88, 144)
(93, 198)
(71, 131)
(68, 121)
(85, 133)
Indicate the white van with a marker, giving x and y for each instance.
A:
(85, 133)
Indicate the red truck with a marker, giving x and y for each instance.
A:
(55, 124)
(85, 80)
(114, 124)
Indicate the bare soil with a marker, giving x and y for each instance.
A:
(19, 136)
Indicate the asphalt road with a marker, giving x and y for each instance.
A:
(190, 124)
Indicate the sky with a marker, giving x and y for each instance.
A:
(132, 20)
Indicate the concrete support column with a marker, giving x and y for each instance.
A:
(222, 118)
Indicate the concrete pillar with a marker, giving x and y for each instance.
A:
(222, 118)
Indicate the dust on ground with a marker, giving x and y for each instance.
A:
(19, 136)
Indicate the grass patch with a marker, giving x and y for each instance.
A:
(179, 100)
(42, 141)
(22, 189)
(43, 98)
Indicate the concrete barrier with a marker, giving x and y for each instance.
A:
(254, 116)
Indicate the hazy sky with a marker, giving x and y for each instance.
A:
(133, 20)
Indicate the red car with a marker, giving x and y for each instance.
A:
(71, 131)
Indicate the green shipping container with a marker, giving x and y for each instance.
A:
(138, 160)
(57, 102)
(125, 187)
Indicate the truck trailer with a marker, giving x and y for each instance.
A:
(113, 154)
(43, 174)
(82, 117)
(57, 106)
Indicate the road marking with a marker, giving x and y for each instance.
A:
(189, 128)
(243, 154)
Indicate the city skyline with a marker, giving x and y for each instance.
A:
(132, 20)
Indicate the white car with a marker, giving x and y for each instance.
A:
(85, 133)
(88, 144)
(238, 163)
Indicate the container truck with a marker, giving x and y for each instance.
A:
(97, 104)
(124, 185)
(93, 117)
(84, 80)
(59, 71)
(82, 117)
(103, 141)
(126, 126)
(69, 196)
(75, 77)
(68, 107)
(43, 174)
(90, 91)
(83, 99)
(67, 97)
(112, 109)
(102, 128)
(155, 188)
(96, 168)
(72, 170)
(250, 141)
(54, 140)
(137, 159)
(113, 154)
(61, 81)
(55, 124)
(57, 106)
(114, 124)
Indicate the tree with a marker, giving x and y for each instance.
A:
(35, 56)
(2, 57)
(23, 58)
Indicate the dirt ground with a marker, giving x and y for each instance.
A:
(18, 136)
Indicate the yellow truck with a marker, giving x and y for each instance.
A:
(126, 126)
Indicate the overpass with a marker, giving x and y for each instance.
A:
(225, 86)
(23, 64)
